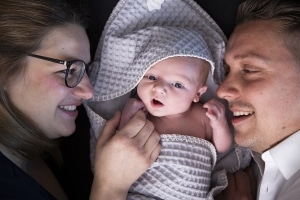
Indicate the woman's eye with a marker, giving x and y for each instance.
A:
(62, 72)
(178, 85)
(72, 72)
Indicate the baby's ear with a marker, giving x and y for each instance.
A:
(200, 92)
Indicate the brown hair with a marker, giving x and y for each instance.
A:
(285, 12)
(23, 25)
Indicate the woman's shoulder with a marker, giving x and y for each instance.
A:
(16, 184)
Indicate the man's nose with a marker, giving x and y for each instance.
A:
(228, 89)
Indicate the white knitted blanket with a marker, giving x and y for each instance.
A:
(182, 171)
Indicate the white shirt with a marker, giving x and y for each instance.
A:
(280, 171)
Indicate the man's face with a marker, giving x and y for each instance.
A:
(262, 85)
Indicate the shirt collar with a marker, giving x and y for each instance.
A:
(286, 155)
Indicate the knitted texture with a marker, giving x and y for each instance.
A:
(182, 171)
(140, 33)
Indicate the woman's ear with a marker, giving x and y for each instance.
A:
(201, 91)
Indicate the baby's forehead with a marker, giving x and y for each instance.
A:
(181, 63)
(184, 70)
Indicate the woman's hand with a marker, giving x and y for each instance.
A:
(123, 157)
(131, 107)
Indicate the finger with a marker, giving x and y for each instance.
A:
(128, 112)
(152, 145)
(147, 132)
(139, 105)
(134, 105)
(135, 125)
(214, 104)
(209, 107)
(155, 152)
(109, 129)
(206, 105)
(211, 115)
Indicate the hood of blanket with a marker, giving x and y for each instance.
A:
(140, 33)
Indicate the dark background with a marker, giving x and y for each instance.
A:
(76, 175)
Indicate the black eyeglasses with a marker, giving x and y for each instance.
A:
(74, 72)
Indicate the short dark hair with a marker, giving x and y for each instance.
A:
(285, 12)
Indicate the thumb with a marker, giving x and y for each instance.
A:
(211, 115)
(109, 129)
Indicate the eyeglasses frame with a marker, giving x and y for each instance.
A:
(62, 62)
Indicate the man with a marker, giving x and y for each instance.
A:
(262, 87)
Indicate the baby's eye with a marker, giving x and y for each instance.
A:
(151, 77)
(177, 85)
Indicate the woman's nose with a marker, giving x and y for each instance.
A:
(84, 89)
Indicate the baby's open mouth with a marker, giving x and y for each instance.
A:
(156, 102)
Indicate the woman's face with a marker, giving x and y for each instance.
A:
(40, 91)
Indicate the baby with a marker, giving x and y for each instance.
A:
(170, 91)
(168, 53)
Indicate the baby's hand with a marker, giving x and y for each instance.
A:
(221, 137)
(131, 107)
(215, 111)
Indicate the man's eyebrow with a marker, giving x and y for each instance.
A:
(250, 55)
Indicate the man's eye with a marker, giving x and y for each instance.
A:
(248, 71)
(226, 69)
(178, 85)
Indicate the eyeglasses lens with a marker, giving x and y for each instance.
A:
(75, 73)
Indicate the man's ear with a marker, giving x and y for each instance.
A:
(201, 91)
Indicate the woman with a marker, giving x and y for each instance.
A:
(44, 51)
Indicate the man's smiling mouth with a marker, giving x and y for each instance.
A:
(68, 108)
(240, 113)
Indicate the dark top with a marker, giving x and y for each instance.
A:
(16, 184)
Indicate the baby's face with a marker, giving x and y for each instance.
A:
(170, 86)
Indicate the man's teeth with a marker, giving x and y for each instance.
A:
(236, 114)
(68, 108)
